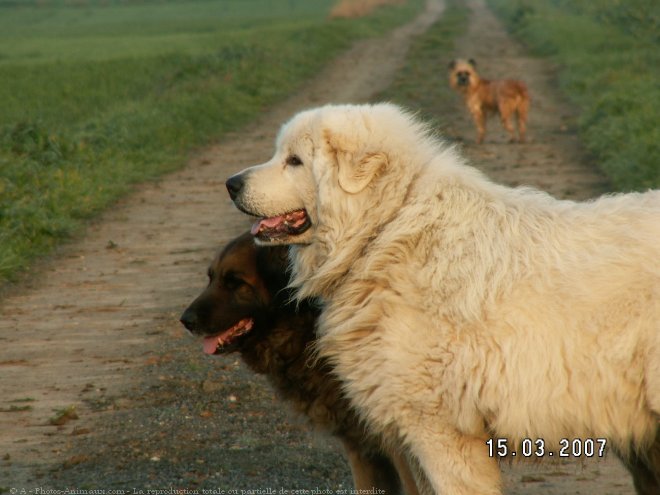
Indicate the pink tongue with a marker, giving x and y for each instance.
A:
(266, 222)
(210, 345)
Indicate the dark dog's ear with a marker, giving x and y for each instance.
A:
(452, 65)
(472, 62)
(356, 169)
(272, 265)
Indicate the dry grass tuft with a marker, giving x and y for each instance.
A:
(350, 9)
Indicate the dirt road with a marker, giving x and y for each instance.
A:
(94, 331)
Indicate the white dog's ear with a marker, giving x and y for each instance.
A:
(356, 169)
(356, 173)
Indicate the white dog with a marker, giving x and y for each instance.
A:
(457, 310)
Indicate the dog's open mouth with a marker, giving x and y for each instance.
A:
(219, 343)
(281, 226)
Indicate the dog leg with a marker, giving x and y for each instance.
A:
(645, 479)
(645, 468)
(522, 120)
(455, 464)
(406, 475)
(505, 115)
(372, 471)
(480, 122)
(506, 122)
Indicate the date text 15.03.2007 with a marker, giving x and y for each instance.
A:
(577, 447)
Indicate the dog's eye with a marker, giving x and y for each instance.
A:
(232, 282)
(293, 160)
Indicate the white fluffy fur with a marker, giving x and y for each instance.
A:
(458, 310)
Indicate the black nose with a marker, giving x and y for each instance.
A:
(234, 185)
(189, 319)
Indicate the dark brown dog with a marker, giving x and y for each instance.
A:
(246, 308)
(482, 97)
(645, 468)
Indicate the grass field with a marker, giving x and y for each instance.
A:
(98, 95)
(609, 54)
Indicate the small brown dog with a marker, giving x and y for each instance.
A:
(506, 97)
(247, 308)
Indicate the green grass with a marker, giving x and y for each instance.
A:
(63, 416)
(98, 95)
(14, 408)
(609, 54)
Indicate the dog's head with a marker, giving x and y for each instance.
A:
(246, 284)
(463, 74)
(281, 192)
(328, 172)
